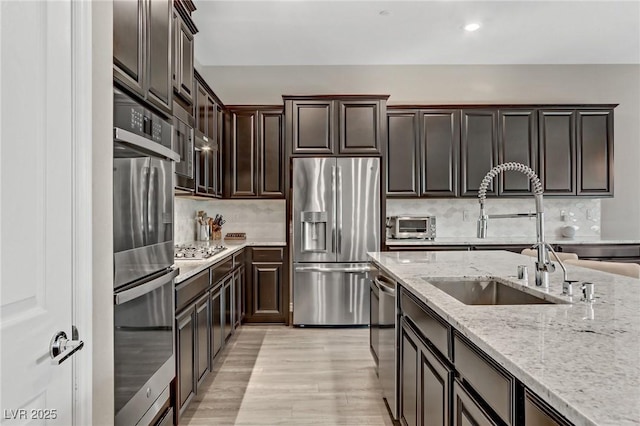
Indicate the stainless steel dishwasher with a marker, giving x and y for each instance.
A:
(387, 340)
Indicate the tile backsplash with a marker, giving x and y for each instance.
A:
(458, 217)
(259, 219)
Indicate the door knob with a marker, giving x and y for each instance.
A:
(62, 348)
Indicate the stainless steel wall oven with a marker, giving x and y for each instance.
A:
(143, 169)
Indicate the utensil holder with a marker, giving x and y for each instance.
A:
(203, 232)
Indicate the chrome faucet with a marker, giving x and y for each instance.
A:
(543, 263)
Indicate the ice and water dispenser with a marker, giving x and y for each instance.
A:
(314, 231)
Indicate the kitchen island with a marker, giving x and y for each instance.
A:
(582, 359)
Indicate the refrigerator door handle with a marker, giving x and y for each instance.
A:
(333, 220)
(339, 209)
(323, 269)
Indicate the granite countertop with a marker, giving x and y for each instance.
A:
(583, 359)
(504, 240)
(189, 268)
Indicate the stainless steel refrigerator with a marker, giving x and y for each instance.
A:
(336, 221)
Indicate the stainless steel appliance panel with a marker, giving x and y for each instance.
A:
(388, 342)
(144, 345)
(314, 236)
(330, 294)
(357, 208)
(142, 214)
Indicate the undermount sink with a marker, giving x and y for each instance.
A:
(487, 292)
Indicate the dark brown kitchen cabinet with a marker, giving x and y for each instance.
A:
(206, 169)
(312, 123)
(336, 125)
(479, 148)
(423, 153)
(408, 379)
(217, 308)
(594, 150)
(182, 70)
(142, 50)
(403, 155)
(209, 140)
(360, 124)
(439, 152)
(239, 295)
(267, 288)
(539, 413)
(202, 336)
(185, 354)
(228, 290)
(425, 382)
(517, 142)
(256, 153)
(242, 156)
(467, 410)
(558, 151)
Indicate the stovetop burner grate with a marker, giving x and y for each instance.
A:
(193, 252)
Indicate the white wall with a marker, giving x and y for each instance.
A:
(471, 84)
(102, 202)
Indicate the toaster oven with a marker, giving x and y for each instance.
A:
(420, 227)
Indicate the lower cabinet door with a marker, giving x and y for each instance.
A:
(185, 356)
(202, 334)
(538, 412)
(466, 410)
(435, 389)
(216, 321)
(425, 386)
(228, 307)
(408, 378)
(238, 278)
(266, 300)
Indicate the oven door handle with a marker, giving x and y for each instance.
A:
(154, 148)
(140, 290)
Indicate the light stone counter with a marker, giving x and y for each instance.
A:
(189, 268)
(503, 240)
(583, 359)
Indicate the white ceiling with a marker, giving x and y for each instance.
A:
(416, 32)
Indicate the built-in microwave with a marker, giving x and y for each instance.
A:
(183, 144)
(402, 227)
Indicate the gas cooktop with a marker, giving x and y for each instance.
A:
(193, 252)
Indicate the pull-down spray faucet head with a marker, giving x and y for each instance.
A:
(483, 220)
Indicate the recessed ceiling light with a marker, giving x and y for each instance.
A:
(472, 27)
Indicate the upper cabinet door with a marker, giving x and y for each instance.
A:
(359, 126)
(557, 151)
(271, 154)
(201, 109)
(128, 44)
(160, 24)
(313, 124)
(242, 168)
(517, 142)
(185, 64)
(439, 148)
(595, 152)
(479, 149)
(403, 165)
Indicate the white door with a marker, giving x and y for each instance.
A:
(36, 214)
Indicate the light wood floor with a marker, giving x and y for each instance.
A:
(277, 375)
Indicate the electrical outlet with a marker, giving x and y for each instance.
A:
(589, 214)
(465, 215)
(563, 215)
